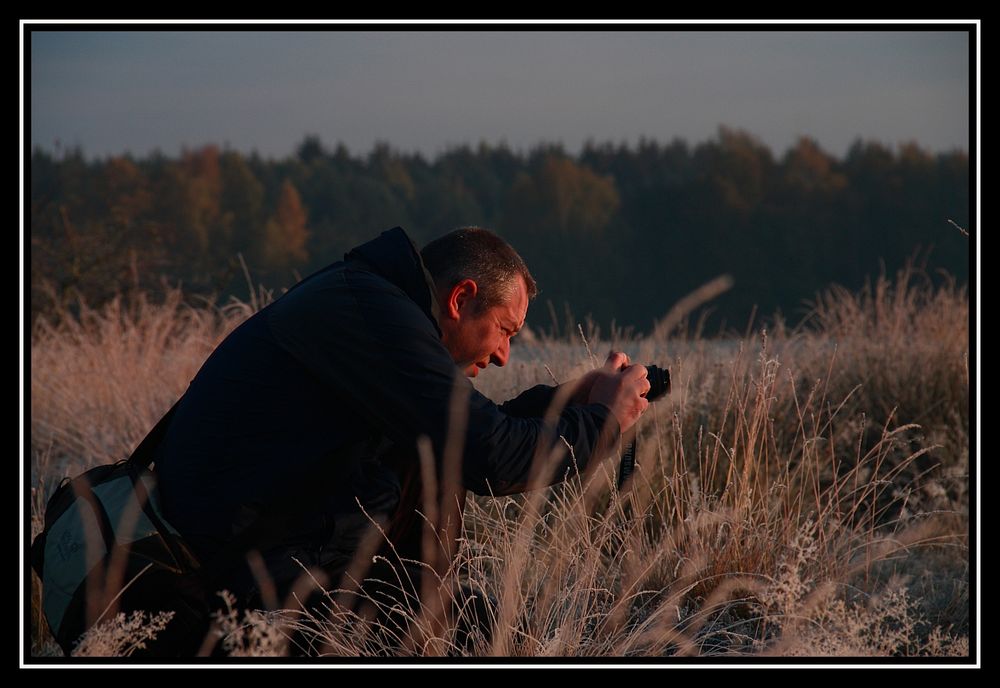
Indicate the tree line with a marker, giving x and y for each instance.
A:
(619, 232)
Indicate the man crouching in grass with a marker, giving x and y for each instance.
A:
(306, 423)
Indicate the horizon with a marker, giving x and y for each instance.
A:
(331, 148)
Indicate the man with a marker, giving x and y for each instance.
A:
(326, 391)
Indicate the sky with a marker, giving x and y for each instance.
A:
(427, 91)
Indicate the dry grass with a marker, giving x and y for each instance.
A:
(800, 492)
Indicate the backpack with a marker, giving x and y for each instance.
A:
(106, 548)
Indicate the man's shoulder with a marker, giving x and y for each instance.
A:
(382, 280)
(343, 297)
(347, 280)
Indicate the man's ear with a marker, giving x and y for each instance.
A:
(462, 295)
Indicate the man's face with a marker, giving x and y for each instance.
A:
(476, 339)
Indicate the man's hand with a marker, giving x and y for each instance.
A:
(619, 386)
(583, 385)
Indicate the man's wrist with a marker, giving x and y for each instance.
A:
(610, 427)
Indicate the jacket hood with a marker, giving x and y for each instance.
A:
(393, 256)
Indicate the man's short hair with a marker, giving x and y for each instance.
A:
(480, 255)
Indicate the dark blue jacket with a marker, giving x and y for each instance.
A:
(344, 370)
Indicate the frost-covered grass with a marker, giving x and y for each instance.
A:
(802, 491)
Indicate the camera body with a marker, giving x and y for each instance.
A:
(659, 382)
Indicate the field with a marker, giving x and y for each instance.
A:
(802, 491)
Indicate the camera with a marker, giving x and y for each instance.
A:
(659, 382)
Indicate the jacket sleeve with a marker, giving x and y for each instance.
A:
(374, 348)
(531, 403)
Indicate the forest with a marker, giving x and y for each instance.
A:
(617, 232)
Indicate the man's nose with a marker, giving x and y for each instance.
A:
(502, 354)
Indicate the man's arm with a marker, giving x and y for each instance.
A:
(535, 401)
(531, 403)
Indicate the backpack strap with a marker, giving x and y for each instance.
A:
(144, 453)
